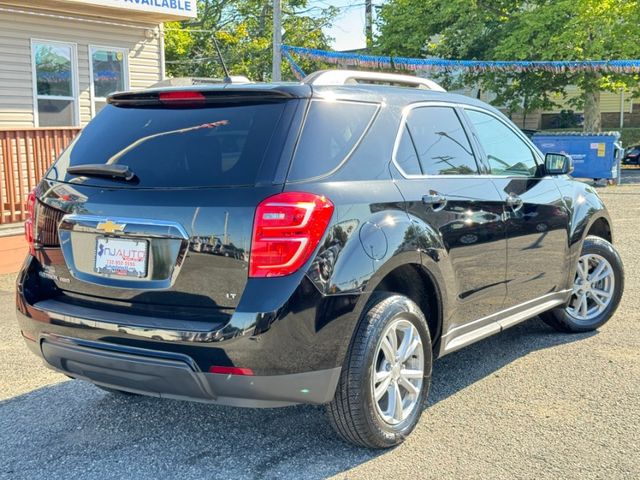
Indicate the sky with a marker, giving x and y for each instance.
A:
(348, 28)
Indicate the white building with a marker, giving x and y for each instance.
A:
(59, 59)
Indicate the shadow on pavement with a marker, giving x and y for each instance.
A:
(74, 430)
(458, 370)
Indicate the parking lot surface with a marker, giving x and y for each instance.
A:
(527, 403)
(630, 175)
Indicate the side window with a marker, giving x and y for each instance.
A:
(331, 131)
(406, 155)
(507, 153)
(441, 142)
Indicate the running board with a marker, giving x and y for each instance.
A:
(460, 337)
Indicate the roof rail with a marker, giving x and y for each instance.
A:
(352, 77)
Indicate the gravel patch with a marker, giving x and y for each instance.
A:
(528, 403)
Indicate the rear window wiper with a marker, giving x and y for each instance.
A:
(119, 172)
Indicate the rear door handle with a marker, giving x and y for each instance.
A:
(514, 201)
(435, 200)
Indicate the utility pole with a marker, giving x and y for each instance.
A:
(225, 236)
(276, 74)
(368, 22)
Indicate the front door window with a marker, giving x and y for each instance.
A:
(507, 154)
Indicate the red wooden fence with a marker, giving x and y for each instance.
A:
(25, 155)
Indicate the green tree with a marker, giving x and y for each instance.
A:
(520, 30)
(243, 29)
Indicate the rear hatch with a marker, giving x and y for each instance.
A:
(150, 210)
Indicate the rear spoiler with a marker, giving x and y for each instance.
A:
(203, 96)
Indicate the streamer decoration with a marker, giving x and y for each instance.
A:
(438, 64)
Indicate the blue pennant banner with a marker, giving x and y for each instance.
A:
(295, 68)
(432, 64)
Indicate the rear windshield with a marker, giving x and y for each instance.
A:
(176, 147)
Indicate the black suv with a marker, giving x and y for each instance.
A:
(321, 242)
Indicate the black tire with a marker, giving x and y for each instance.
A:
(352, 412)
(562, 321)
(115, 391)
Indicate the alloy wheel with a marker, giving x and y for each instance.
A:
(593, 287)
(397, 371)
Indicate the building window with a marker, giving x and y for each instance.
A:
(55, 70)
(109, 73)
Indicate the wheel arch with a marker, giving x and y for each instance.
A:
(415, 282)
(407, 275)
(597, 224)
(414, 264)
(600, 227)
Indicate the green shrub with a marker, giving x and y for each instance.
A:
(630, 136)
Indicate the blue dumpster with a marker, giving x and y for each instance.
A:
(595, 155)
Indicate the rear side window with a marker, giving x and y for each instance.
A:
(331, 131)
(177, 147)
(406, 155)
(440, 141)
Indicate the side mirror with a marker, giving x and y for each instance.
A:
(558, 164)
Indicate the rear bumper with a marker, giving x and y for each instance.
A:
(176, 376)
(296, 352)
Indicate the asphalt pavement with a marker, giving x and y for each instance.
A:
(630, 175)
(527, 403)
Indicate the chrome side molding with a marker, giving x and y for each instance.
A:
(469, 333)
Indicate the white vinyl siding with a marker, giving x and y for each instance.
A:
(609, 101)
(17, 30)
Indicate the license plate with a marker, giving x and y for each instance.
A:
(119, 256)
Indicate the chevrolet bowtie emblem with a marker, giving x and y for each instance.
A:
(111, 227)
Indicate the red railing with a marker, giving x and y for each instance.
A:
(25, 155)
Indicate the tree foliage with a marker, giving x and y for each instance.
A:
(520, 30)
(243, 29)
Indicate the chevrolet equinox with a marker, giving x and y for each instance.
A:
(322, 242)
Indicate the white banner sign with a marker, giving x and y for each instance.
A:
(178, 8)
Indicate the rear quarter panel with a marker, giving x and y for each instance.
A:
(371, 233)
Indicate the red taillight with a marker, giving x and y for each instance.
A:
(231, 370)
(286, 231)
(29, 223)
(181, 97)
